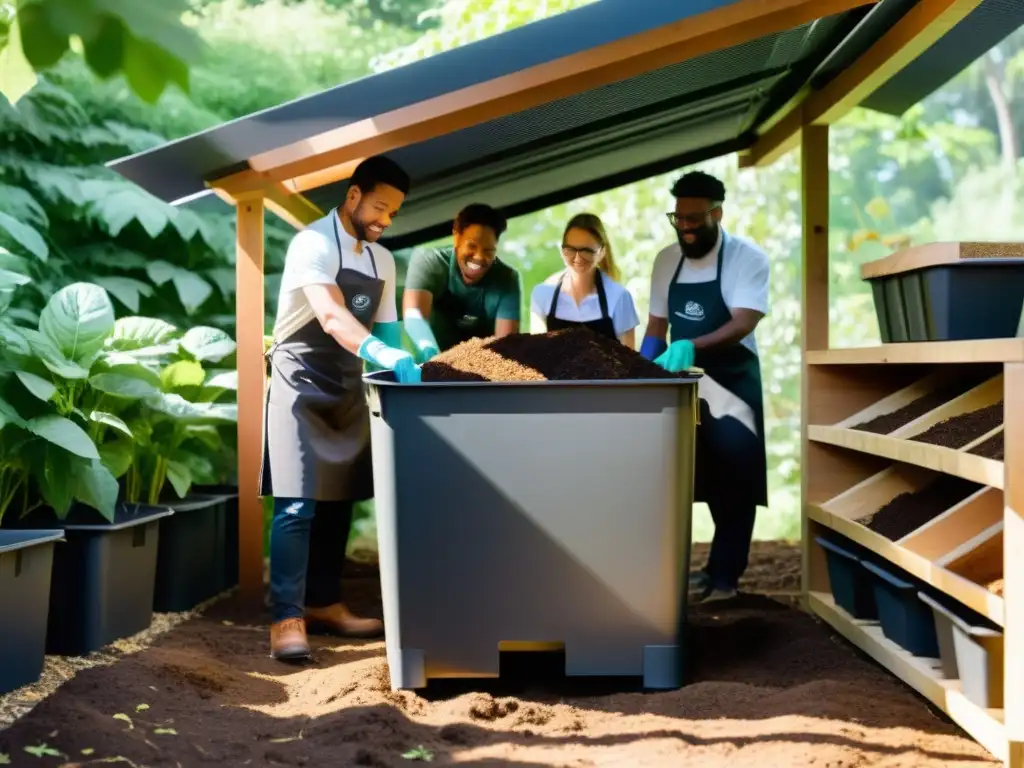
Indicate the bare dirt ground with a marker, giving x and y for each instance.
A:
(772, 687)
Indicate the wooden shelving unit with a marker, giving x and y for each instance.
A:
(852, 469)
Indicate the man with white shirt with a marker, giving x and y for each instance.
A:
(710, 289)
(336, 309)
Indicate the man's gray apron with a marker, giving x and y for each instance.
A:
(316, 424)
(731, 463)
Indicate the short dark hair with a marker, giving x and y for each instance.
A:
(379, 170)
(482, 215)
(699, 184)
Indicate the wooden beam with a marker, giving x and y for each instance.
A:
(814, 192)
(291, 207)
(730, 25)
(918, 30)
(249, 308)
(1013, 564)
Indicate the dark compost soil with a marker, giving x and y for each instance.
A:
(909, 511)
(570, 354)
(991, 449)
(771, 687)
(888, 423)
(960, 430)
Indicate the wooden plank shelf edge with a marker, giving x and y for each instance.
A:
(923, 675)
(974, 596)
(914, 352)
(968, 466)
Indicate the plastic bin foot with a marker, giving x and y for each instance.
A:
(408, 669)
(663, 666)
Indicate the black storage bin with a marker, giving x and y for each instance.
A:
(851, 585)
(26, 564)
(971, 649)
(228, 529)
(905, 619)
(190, 559)
(963, 300)
(103, 575)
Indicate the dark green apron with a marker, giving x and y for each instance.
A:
(731, 464)
(460, 313)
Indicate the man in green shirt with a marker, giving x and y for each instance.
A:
(457, 293)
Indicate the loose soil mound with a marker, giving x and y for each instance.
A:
(772, 687)
(570, 354)
(909, 511)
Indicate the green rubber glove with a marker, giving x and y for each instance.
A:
(678, 357)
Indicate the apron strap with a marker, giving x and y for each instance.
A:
(601, 297)
(554, 297)
(341, 252)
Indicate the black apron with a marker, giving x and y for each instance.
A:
(460, 310)
(602, 325)
(316, 424)
(731, 463)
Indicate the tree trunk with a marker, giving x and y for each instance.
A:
(1008, 139)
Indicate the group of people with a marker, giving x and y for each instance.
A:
(338, 310)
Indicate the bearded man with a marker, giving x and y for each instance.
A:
(710, 290)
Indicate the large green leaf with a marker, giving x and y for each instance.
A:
(64, 433)
(184, 373)
(107, 254)
(52, 357)
(57, 479)
(180, 409)
(222, 380)
(121, 385)
(208, 345)
(12, 339)
(8, 415)
(10, 280)
(37, 385)
(160, 23)
(25, 236)
(134, 333)
(96, 486)
(78, 320)
(180, 477)
(192, 289)
(110, 420)
(127, 290)
(19, 204)
(113, 205)
(117, 456)
(124, 364)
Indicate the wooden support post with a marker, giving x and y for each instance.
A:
(1013, 565)
(249, 308)
(814, 192)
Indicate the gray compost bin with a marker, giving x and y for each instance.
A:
(534, 515)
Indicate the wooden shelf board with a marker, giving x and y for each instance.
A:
(923, 675)
(980, 351)
(974, 596)
(969, 466)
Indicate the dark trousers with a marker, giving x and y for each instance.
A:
(307, 554)
(730, 547)
(726, 465)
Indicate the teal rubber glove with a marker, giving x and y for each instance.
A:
(376, 352)
(422, 336)
(678, 357)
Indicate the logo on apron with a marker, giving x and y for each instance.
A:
(467, 321)
(692, 311)
(360, 301)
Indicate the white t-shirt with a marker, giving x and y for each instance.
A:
(744, 284)
(313, 259)
(620, 305)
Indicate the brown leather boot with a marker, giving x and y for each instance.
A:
(338, 620)
(288, 640)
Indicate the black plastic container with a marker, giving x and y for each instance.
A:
(228, 530)
(963, 300)
(103, 575)
(971, 649)
(26, 564)
(190, 559)
(851, 585)
(905, 619)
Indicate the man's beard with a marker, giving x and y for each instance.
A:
(703, 243)
(358, 226)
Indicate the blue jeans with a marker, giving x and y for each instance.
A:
(307, 554)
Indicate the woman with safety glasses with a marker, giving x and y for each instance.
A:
(586, 293)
